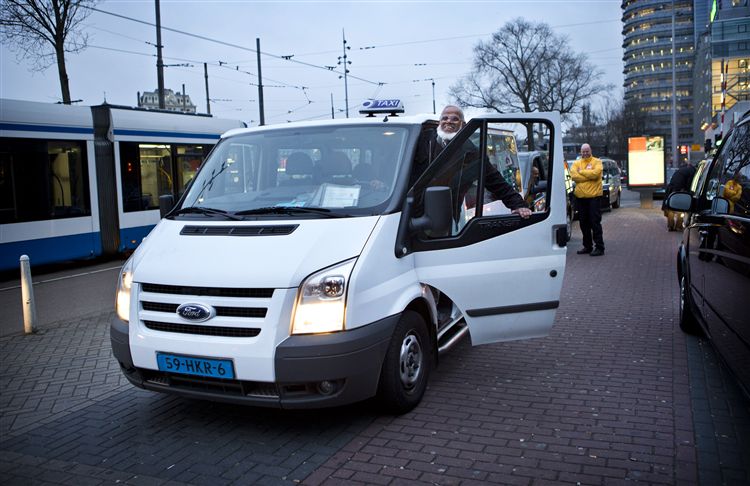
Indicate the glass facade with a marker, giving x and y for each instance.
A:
(647, 42)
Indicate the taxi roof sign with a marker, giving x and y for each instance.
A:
(371, 107)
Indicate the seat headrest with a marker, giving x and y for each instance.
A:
(364, 172)
(336, 164)
(299, 163)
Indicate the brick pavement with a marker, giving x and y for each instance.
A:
(615, 394)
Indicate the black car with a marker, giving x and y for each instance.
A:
(714, 256)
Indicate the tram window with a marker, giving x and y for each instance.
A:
(42, 179)
(187, 160)
(151, 170)
(146, 174)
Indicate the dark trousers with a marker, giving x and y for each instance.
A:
(590, 219)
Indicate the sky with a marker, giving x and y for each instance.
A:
(396, 49)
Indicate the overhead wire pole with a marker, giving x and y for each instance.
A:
(346, 71)
(208, 99)
(261, 107)
(159, 61)
(434, 111)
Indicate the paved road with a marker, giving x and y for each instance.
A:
(62, 293)
(615, 394)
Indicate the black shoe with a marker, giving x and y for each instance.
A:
(597, 252)
(583, 251)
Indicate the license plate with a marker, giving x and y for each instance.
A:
(189, 365)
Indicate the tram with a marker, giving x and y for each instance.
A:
(78, 182)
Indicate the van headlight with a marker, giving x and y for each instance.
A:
(321, 300)
(124, 283)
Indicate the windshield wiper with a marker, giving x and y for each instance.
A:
(290, 210)
(206, 211)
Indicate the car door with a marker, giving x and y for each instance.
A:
(727, 270)
(503, 272)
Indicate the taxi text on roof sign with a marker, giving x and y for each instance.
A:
(382, 106)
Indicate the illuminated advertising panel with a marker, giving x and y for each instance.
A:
(645, 162)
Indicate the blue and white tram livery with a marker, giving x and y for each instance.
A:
(78, 182)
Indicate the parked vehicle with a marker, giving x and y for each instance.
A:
(77, 182)
(714, 256)
(611, 184)
(300, 269)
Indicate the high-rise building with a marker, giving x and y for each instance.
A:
(647, 44)
(730, 55)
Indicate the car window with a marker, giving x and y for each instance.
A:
(734, 171)
(465, 163)
(352, 169)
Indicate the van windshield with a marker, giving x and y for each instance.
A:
(348, 170)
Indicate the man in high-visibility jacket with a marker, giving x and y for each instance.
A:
(587, 174)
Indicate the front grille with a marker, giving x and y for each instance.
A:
(203, 330)
(269, 230)
(210, 291)
(257, 312)
(212, 385)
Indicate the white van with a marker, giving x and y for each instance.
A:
(303, 268)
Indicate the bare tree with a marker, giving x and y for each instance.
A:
(43, 31)
(527, 67)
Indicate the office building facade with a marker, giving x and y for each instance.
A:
(647, 45)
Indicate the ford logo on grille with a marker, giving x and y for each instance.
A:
(196, 312)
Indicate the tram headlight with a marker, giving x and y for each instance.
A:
(124, 283)
(321, 300)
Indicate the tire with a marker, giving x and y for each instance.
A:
(688, 322)
(407, 365)
(616, 204)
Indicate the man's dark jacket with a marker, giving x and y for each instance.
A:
(681, 179)
(430, 147)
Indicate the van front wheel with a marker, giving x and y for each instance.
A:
(406, 369)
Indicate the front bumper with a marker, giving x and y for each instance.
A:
(312, 371)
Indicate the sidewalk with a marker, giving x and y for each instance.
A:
(615, 394)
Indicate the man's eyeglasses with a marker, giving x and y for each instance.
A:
(450, 118)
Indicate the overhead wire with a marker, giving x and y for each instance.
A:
(228, 44)
(289, 58)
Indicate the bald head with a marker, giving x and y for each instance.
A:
(585, 150)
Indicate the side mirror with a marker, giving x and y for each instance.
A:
(720, 206)
(166, 203)
(437, 216)
(680, 201)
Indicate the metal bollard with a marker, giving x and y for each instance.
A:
(27, 296)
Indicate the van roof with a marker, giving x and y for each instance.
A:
(377, 120)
